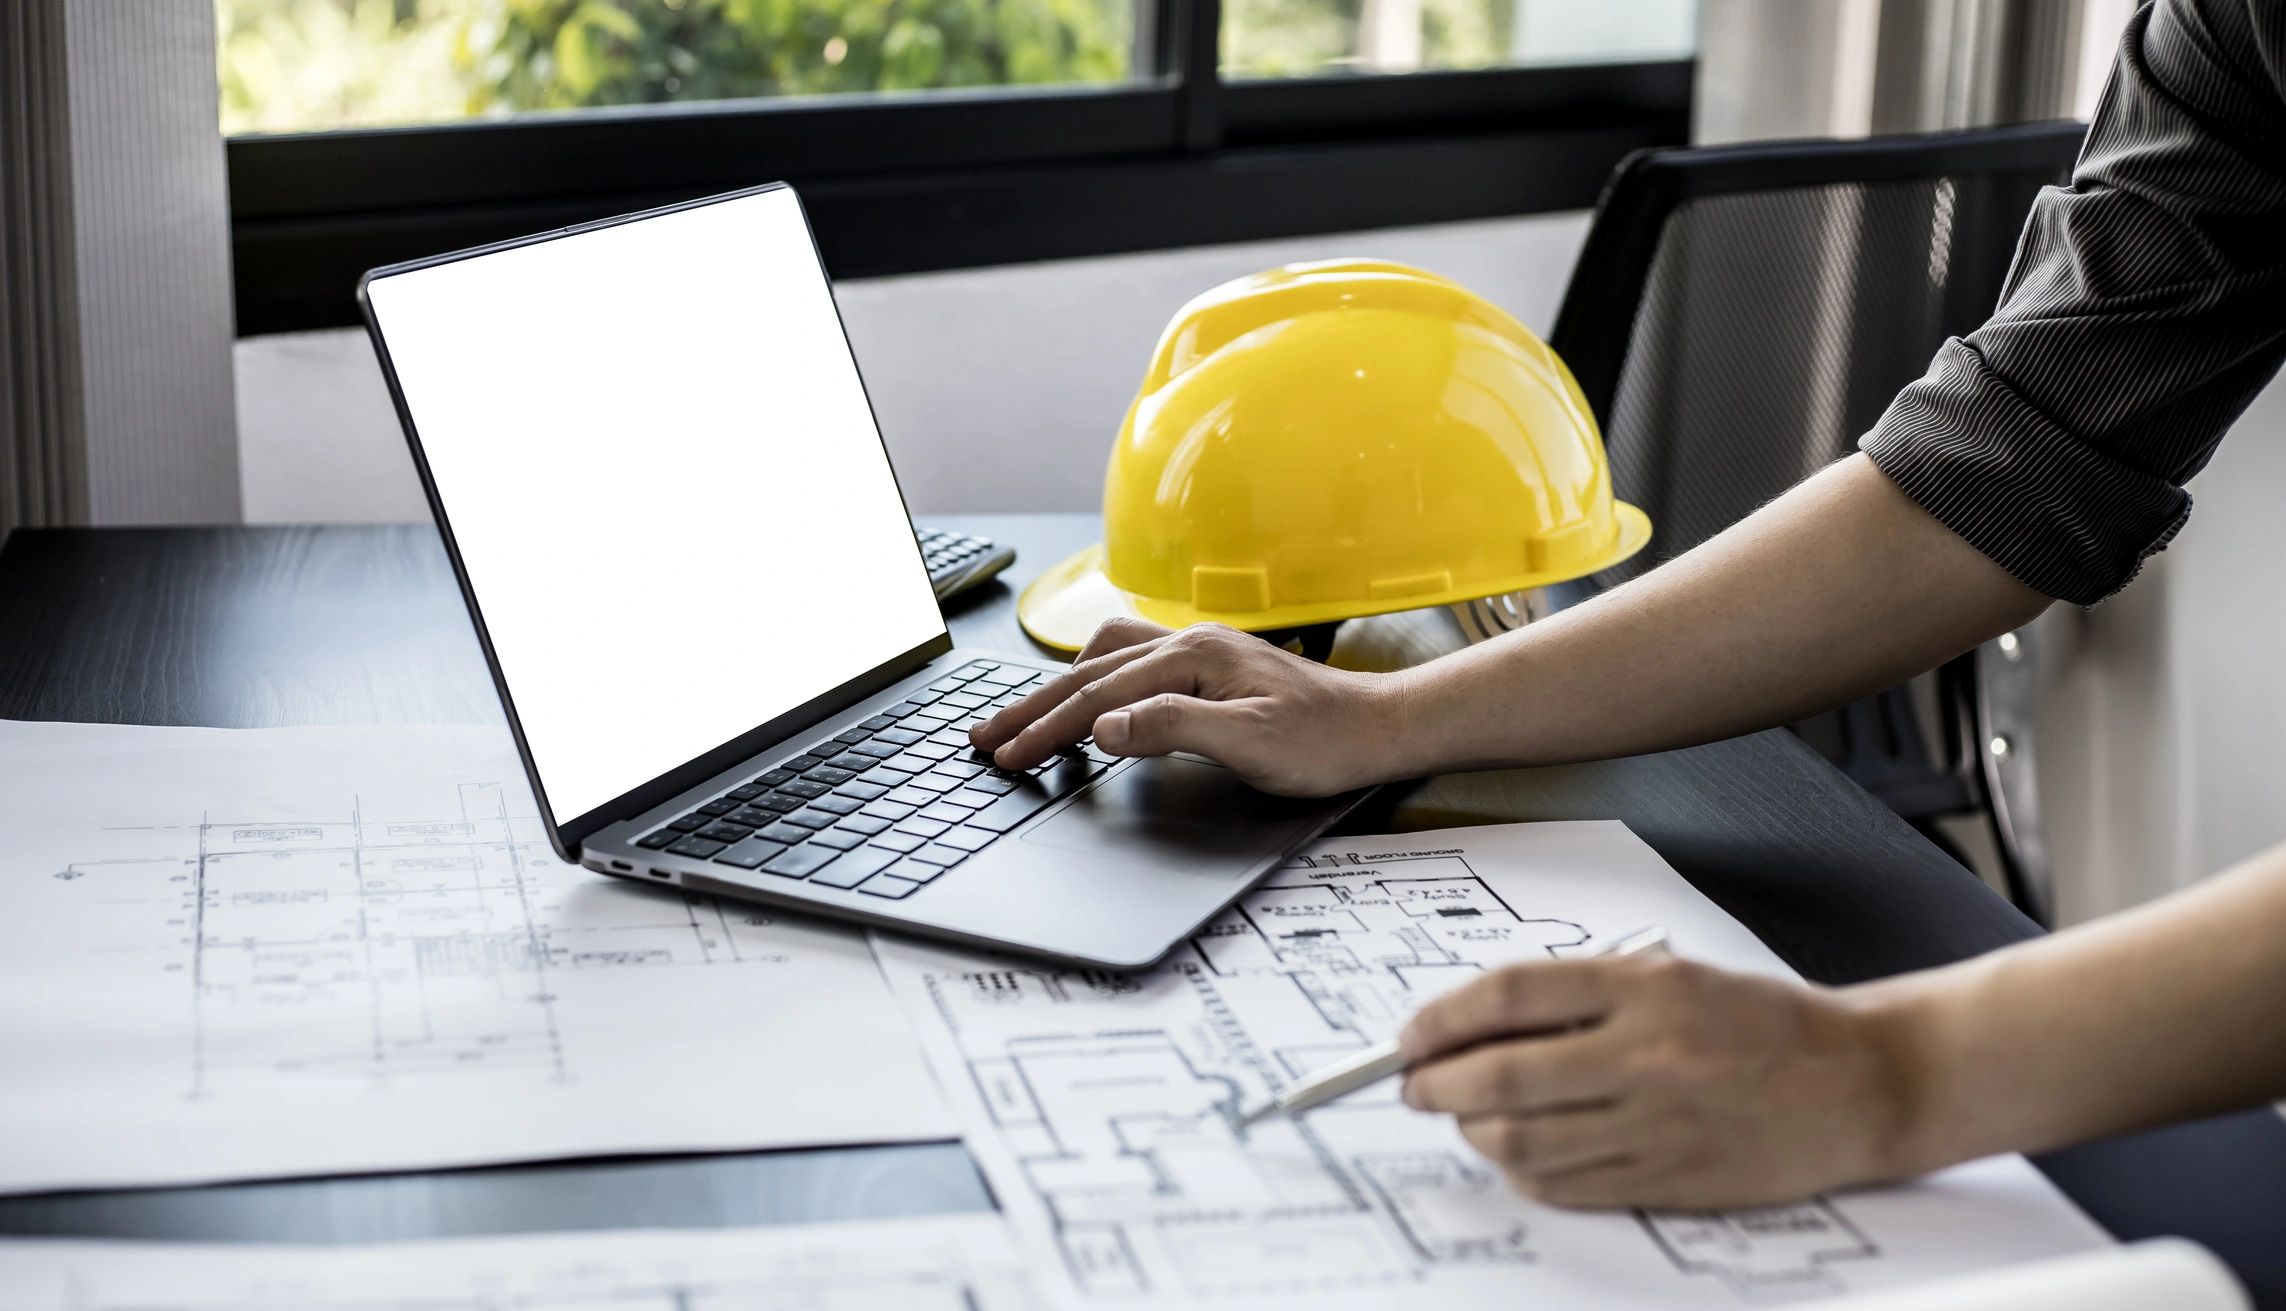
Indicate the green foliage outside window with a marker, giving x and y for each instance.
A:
(290, 65)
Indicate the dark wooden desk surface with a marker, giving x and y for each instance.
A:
(252, 627)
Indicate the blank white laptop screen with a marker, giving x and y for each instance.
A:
(666, 484)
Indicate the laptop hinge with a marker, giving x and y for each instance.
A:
(746, 745)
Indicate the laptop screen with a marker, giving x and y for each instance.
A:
(664, 479)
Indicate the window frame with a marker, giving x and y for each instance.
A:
(920, 181)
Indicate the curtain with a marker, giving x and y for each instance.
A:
(1794, 68)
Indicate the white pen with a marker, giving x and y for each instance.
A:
(1383, 1059)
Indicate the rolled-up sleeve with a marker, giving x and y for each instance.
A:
(2145, 309)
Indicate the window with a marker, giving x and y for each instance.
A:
(923, 134)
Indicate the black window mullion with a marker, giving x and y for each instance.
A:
(1198, 87)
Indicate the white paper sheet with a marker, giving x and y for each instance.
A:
(937, 1263)
(1099, 1105)
(2170, 1273)
(317, 950)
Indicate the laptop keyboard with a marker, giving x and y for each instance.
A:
(959, 561)
(889, 806)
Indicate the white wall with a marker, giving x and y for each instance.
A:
(998, 389)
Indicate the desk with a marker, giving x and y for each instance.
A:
(244, 628)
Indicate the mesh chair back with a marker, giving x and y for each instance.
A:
(1741, 315)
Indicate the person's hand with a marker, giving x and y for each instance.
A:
(1285, 724)
(1654, 1081)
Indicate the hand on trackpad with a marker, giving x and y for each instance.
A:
(1176, 810)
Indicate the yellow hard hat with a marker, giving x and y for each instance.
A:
(1331, 440)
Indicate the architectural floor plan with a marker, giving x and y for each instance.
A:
(1104, 1106)
(328, 949)
(940, 1263)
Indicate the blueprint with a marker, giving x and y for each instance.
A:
(1101, 1105)
(233, 953)
(939, 1263)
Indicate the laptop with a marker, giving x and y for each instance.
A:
(664, 493)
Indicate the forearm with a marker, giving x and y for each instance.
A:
(2157, 1014)
(1839, 588)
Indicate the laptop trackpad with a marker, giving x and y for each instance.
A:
(1179, 811)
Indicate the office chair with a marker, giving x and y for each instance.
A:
(1739, 316)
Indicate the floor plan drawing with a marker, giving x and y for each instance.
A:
(938, 1263)
(244, 942)
(1105, 1106)
(361, 947)
(1764, 1250)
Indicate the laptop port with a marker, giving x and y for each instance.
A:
(662, 874)
(621, 864)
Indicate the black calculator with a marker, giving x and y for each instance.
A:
(959, 561)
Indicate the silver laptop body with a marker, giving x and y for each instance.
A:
(665, 496)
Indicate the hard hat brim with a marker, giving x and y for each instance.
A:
(1064, 606)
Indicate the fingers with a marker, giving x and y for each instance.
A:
(1598, 1185)
(1126, 679)
(1004, 727)
(1117, 635)
(1165, 668)
(1531, 1148)
(1518, 999)
(1690, 1087)
(1157, 725)
(1521, 1077)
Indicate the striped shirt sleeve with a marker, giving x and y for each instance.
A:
(2145, 309)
